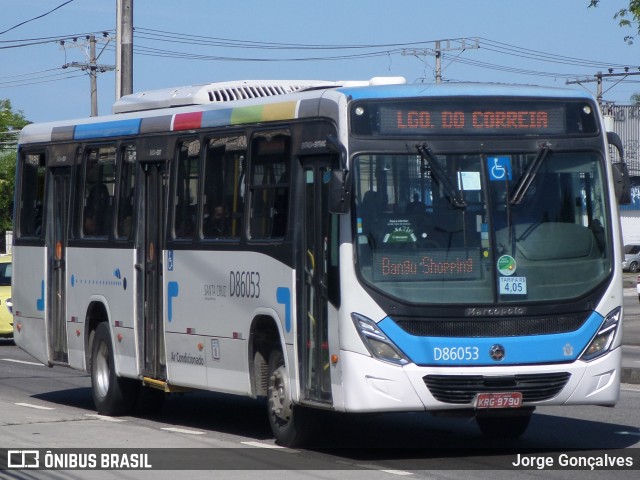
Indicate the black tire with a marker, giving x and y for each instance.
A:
(111, 395)
(292, 425)
(499, 426)
(633, 267)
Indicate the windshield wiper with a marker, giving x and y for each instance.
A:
(451, 191)
(527, 177)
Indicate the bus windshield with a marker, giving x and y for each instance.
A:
(456, 229)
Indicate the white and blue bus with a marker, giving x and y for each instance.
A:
(366, 246)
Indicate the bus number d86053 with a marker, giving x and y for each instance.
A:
(451, 354)
(244, 284)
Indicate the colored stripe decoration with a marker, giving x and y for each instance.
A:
(107, 129)
(474, 351)
(187, 121)
(177, 122)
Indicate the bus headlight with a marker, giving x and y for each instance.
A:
(377, 342)
(604, 338)
(9, 304)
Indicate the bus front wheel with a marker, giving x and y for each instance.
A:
(291, 424)
(111, 395)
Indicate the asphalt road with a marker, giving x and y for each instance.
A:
(205, 435)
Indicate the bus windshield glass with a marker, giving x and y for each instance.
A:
(435, 228)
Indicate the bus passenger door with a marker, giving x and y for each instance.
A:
(152, 215)
(313, 318)
(56, 241)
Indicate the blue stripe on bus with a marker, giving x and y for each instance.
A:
(446, 351)
(216, 118)
(107, 129)
(283, 297)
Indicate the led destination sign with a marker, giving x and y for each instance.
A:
(497, 120)
(410, 121)
(434, 265)
(411, 118)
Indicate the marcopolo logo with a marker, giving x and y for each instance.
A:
(494, 311)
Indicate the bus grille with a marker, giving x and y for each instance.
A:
(493, 327)
(462, 389)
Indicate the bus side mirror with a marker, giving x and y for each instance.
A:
(622, 183)
(339, 192)
(621, 180)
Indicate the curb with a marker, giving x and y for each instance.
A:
(630, 375)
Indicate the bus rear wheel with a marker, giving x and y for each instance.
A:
(291, 424)
(111, 395)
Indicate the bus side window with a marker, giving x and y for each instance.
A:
(31, 196)
(126, 191)
(223, 199)
(186, 190)
(269, 184)
(99, 185)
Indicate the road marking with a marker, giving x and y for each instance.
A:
(385, 470)
(104, 418)
(269, 445)
(38, 407)
(182, 430)
(22, 361)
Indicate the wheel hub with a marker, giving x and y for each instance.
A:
(280, 395)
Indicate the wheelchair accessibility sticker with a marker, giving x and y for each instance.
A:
(499, 168)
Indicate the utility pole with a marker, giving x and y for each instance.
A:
(124, 48)
(438, 62)
(93, 76)
(93, 68)
(598, 79)
(450, 45)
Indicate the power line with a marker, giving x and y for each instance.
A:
(36, 82)
(598, 77)
(29, 73)
(527, 53)
(36, 18)
(175, 37)
(149, 42)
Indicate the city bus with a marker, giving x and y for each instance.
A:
(347, 247)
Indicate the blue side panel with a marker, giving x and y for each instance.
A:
(472, 351)
(107, 129)
(216, 118)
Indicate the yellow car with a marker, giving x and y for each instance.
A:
(6, 314)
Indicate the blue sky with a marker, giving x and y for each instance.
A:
(541, 42)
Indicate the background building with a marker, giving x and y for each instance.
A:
(625, 121)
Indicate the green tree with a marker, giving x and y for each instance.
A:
(10, 121)
(627, 17)
(7, 176)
